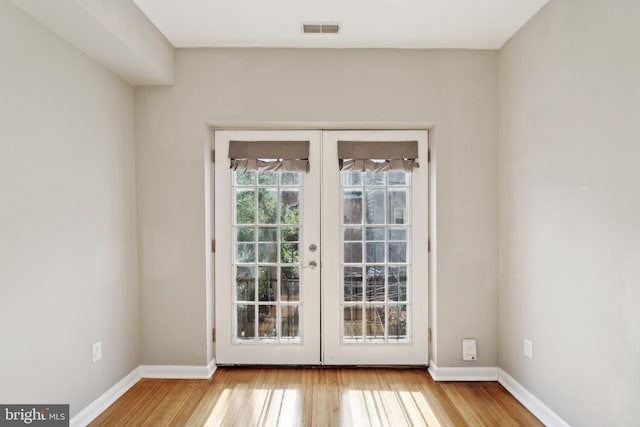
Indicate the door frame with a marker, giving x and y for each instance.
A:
(210, 208)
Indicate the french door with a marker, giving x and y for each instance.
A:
(321, 259)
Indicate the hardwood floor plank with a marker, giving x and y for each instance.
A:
(432, 399)
(411, 408)
(205, 406)
(316, 397)
(133, 401)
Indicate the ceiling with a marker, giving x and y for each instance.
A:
(461, 24)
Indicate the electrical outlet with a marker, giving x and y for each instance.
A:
(97, 351)
(528, 348)
(469, 349)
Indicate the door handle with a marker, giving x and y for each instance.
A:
(312, 265)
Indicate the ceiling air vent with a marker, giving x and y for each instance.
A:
(314, 28)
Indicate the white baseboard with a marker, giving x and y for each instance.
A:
(99, 405)
(529, 401)
(463, 373)
(178, 371)
(95, 408)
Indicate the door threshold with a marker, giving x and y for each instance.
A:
(288, 366)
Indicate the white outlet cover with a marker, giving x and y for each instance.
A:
(528, 348)
(97, 351)
(469, 349)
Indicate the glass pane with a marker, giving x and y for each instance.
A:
(374, 178)
(267, 283)
(352, 205)
(267, 206)
(289, 234)
(290, 321)
(267, 320)
(268, 252)
(245, 252)
(245, 234)
(289, 284)
(290, 178)
(397, 322)
(352, 282)
(352, 234)
(375, 320)
(289, 207)
(245, 206)
(397, 206)
(375, 206)
(398, 233)
(375, 233)
(267, 234)
(352, 252)
(246, 317)
(245, 284)
(289, 253)
(375, 252)
(375, 283)
(352, 321)
(351, 178)
(397, 178)
(397, 251)
(397, 284)
(245, 178)
(267, 178)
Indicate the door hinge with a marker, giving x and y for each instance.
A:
(428, 245)
(213, 246)
(428, 334)
(429, 156)
(213, 335)
(213, 156)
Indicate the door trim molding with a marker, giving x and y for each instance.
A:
(222, 125)
(304, 125)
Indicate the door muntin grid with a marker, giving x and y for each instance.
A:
(267, 231)
(375, 257)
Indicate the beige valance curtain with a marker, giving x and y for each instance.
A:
(378, 156)
(269, 155)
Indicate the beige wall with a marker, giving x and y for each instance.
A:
(456, 91)
(570, 209)
(68, 264)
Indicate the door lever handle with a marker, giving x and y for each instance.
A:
(312, 265)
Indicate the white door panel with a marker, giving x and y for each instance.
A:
(267, 305)
(375, 274)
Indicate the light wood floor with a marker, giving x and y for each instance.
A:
(316, 397)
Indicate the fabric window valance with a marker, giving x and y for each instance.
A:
(269, 155)
(377, 156)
